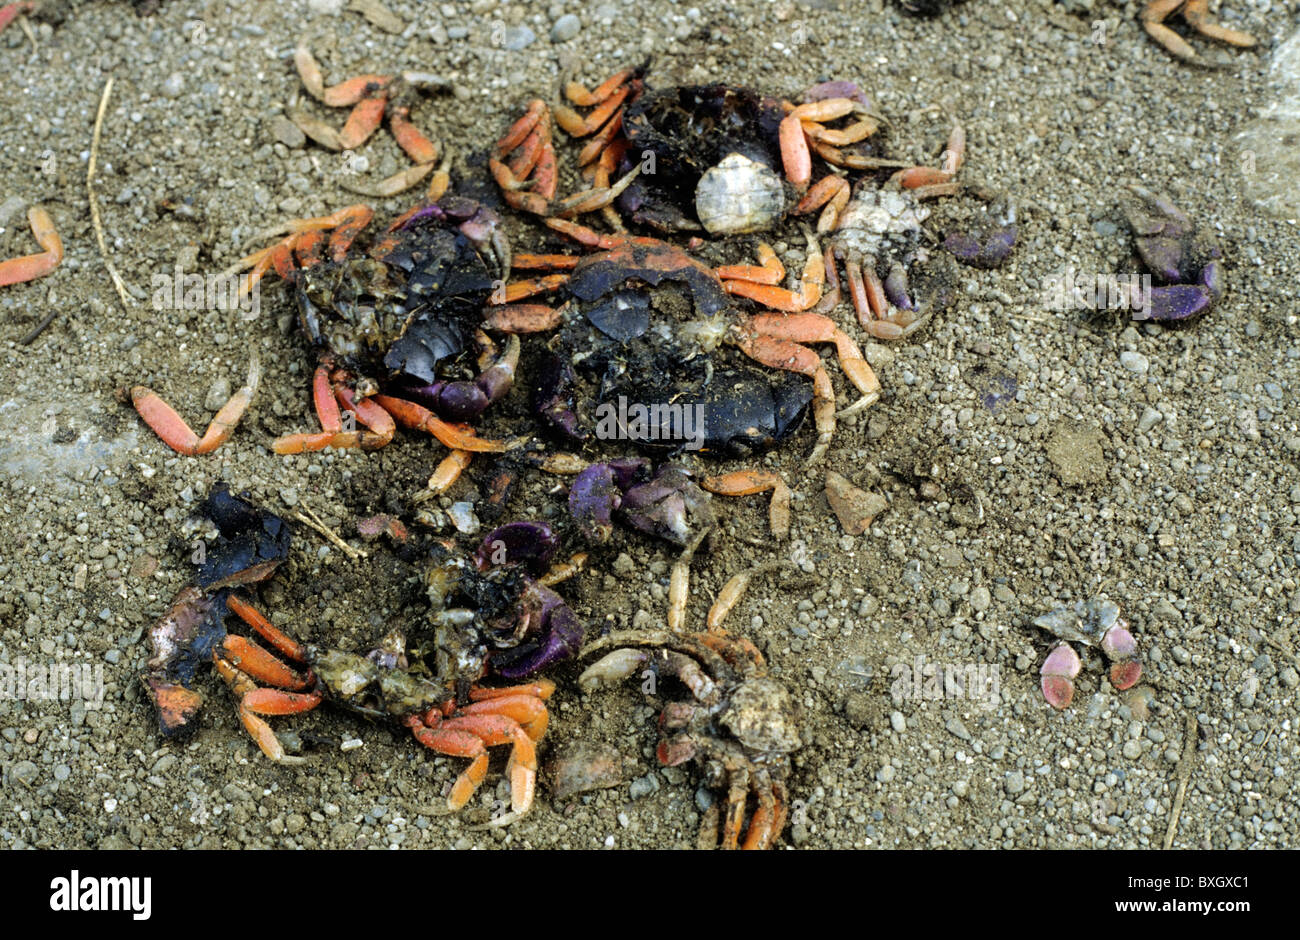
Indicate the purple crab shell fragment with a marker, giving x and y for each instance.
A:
(1185, 263)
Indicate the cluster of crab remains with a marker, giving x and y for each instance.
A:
(422, 329)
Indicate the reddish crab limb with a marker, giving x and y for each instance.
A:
(746, 483)
(457, 437)
(10, 11)
(831, 192)
(1058, 673)
(795, 157)
(1197, 14)
(579, 95)
(254, 618)
(769, 269)
(173, 430)
(780, 298)
(336, 96)
(30, 267)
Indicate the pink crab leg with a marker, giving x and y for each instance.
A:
(173, 430)
(12, 10)
(30, 267)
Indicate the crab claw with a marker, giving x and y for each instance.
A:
(531, 544)
(1058, 672)
(1180, 301)
(1121, 649)
(671, 506)
(597, 492)
(561, 639)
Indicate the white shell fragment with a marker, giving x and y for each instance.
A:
(739, 195)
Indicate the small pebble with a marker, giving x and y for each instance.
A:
(1134, 361)
(518, 38)
(565, 28)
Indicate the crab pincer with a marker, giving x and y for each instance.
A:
(1091, 623)
(1182, 259)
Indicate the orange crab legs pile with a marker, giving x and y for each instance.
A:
(265, 686)
(371, 97)
(524, 168)
(378, 414)
(777, 340)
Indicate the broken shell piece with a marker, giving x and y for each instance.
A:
(856, 509)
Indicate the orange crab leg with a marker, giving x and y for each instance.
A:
(418, 418)
(597, 144)
(580, 96)
(520, 130)
(173, 430)
(577, 126)
(780, 298)
(454, 743)
(497, 729)
(448, 470)
(749, 482)
(795, 157)
(526, 156)
(528, 262)
(769, 269)
(286, 644)
(840, 137)
(815, 328)
(362, 122)
(418, 147)
(258, 664)
(518, 290)
(587, 236)
(542, 688)
(30, 267)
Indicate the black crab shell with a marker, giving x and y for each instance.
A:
(413, 311)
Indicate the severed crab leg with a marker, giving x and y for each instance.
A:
(173, 430)
(749, 482)
(30, 267)
(1197, 14)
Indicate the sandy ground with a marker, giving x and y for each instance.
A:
(1153, 466)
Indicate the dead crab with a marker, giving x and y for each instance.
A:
(778, 340)
(1197, 14)
(740, 728)
(1092, 623)
(729, 160)
(390, 682)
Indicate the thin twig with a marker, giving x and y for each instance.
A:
(1184, 773)
(315, 523)
(94, 201)
(39, 329)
